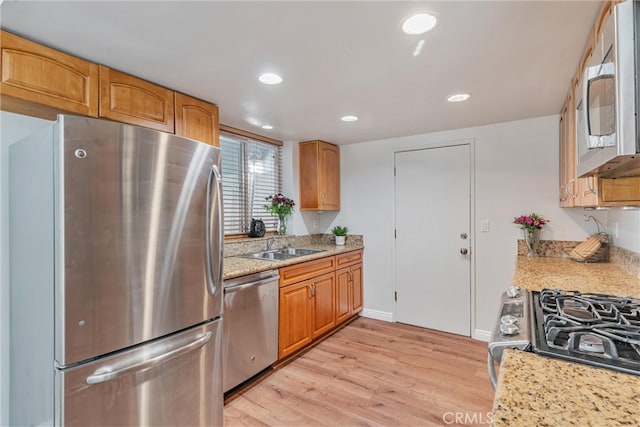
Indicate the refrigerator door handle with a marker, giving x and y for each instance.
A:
(106, 373)
(214, 236)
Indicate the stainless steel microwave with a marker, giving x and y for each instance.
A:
(607, 119)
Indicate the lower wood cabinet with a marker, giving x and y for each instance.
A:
(307, 310)
(294, 318)
(348, 292)
(315, 298)
(323, 301)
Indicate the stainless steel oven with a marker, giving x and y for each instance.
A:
(513, 328)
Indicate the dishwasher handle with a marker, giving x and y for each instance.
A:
(242, 286)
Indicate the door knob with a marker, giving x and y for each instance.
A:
(463, 236)
(464, 251)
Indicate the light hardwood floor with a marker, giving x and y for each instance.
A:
(373, 373)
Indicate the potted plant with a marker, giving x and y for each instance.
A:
(281, 205)
(340, 233)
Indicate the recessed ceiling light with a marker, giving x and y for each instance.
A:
(458, 97)
(270, 79)
(418, 24)
(267, 127)
(349, 118)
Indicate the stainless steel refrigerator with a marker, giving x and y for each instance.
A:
(116, 277)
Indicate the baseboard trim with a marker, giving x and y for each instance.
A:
(481, 335)
(377, 314)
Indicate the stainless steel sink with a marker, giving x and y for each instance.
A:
(281, 254)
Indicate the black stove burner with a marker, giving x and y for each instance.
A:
(597, 329)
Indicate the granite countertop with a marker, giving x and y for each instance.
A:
(539, 391)
(236, 266)
(545, 272)
(536, 390)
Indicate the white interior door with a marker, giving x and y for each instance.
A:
(433, 210)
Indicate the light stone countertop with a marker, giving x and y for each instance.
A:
(536, 390)
(562, 273)
(235, 266)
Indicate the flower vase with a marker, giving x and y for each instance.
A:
(531, 239)
(282, 224)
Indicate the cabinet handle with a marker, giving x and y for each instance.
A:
(322, 199)
(590, 190)
(350, 276)
(570, 189)
(562, 198)
(312, 290)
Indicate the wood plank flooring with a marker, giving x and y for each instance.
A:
(374, 373)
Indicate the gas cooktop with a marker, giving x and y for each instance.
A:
(597, 329)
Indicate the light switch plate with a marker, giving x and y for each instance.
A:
(484, 226)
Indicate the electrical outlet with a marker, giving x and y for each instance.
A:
(315, 224)
(484, 226)
(615, 230)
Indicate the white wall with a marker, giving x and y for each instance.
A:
(624, 227)
(13, 127)
(516, 172)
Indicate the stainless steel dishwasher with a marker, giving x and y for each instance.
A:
(250, 326)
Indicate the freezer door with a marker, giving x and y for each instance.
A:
(176, 381)
(140, 220)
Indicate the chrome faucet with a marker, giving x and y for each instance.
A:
(270, 241)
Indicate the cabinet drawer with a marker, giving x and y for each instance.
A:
(298, 272)
(348, 258)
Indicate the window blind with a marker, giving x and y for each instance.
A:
(251, 171)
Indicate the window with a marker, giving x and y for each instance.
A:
(251, 171)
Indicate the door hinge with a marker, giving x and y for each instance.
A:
(395, 296)
(394, 171)
(395, 233)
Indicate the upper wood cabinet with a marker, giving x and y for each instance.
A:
(42, 82)
(128, 99)
(319, 168)
(589, 191)
(197, 119)
(567, 155)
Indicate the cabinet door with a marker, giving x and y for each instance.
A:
(343, 295)
(319, 170)
(197, 119)
(587, 191)
(623, 190)
(128, 99)
(294, 319)
(324, 303)
(356, 288)
(329, 179)
(42, 82)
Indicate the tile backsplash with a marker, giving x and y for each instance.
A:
(626, 259)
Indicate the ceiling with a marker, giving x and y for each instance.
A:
(515, 58)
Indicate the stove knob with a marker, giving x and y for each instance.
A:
(509, 328)
(509, 319)
(513, 292)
